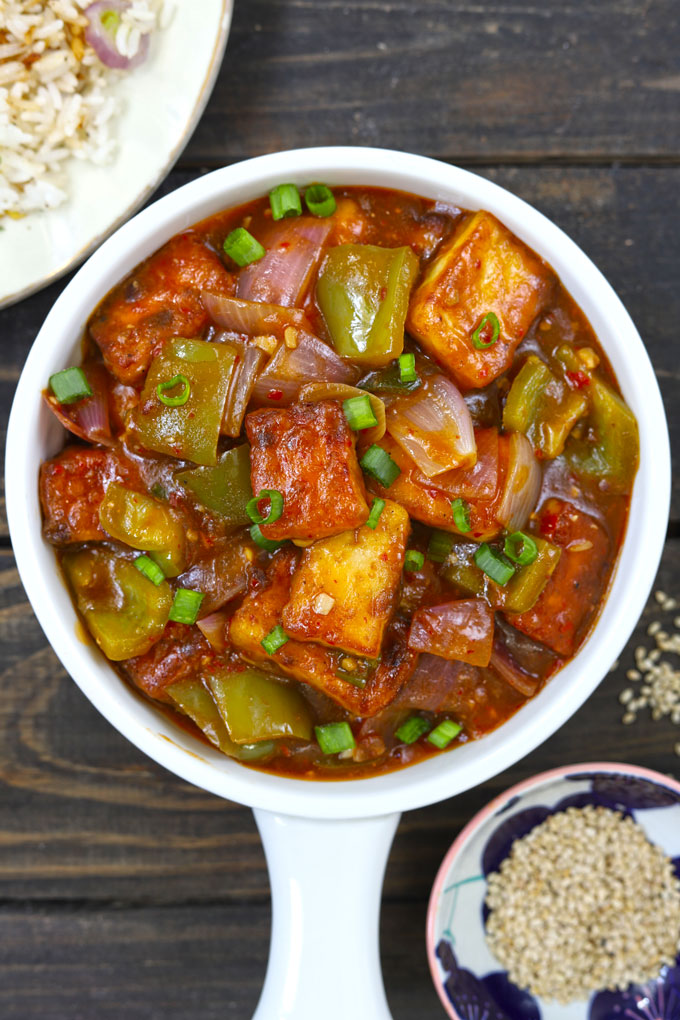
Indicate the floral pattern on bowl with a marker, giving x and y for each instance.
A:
(469, 980)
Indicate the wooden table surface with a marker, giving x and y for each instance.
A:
(124, 892)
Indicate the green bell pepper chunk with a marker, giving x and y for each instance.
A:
(125, 613)
(145, 523)
(523, 590)
(460, 569)
(224, 489)
(257, 707)
(542, 407)
(524, 398)
(614, 456)
(363, 293)
(196, 701)
(189, 431)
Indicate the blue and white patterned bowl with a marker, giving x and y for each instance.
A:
(469, 979)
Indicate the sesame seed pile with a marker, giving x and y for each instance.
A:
(657, 679)
(583, 902)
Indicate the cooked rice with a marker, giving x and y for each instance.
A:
(56, 100)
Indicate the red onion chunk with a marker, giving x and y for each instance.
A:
(522, 483)
(102, 39)
(241, 388)
(433, 425)
(311, 361)
(480, 481)
(215, 629)
(87, 418)
(223, 576)
(461, 630)
(253, 318)
(509, 669)
(294, 250)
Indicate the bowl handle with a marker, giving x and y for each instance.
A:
(326, 880)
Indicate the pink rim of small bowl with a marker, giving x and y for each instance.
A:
(492, 808)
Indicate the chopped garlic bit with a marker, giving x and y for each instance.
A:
(588, 357)
(290, 338)
(266, 343)
(322, 604)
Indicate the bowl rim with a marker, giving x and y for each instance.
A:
(532, 783)
(436, 778)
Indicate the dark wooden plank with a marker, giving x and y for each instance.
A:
(621, 216)
(173, 963)
(480, 81)
(84, 815)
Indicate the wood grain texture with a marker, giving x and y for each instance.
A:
(454, 78)
(174, 963)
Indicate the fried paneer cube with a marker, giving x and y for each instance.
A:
(312, 664)
(307, 452)
(346, 587)
(160, 300)
(483, 269)
(181, 654)
(570, 599)
(72, 487)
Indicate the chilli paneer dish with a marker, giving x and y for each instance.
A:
(346, 477)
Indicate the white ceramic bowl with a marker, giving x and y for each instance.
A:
(34, 434)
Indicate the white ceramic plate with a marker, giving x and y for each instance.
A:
(162, 102)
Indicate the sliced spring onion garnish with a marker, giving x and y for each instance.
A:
(461, 515)
(521, 548)
(355, 679)
(172, 384)
(443, 734)
(374, 516)
(407, 368)
(319, 200)
(335, 737)
(70, 385)
(264, 543)
(494, 564)
(185, 606)
(284, 200)
(439, 546)
(274, 640)
(378, 463)
(359, 413)
(275, 506)
(489, 326)
(145, 565)
(413, 560)
(411, 730)
(242, 247)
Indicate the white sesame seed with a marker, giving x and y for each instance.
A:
(583, 902)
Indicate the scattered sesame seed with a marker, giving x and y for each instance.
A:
(583, 902)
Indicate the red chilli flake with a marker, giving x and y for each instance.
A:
(275, 394)
(579, 379)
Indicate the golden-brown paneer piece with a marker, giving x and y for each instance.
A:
(426, 503)
(319, 667)
(72, 487)
(346, 587)
(483, 269)
(306, 452)
(160, 300)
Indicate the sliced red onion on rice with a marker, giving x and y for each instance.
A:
(101, 32)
